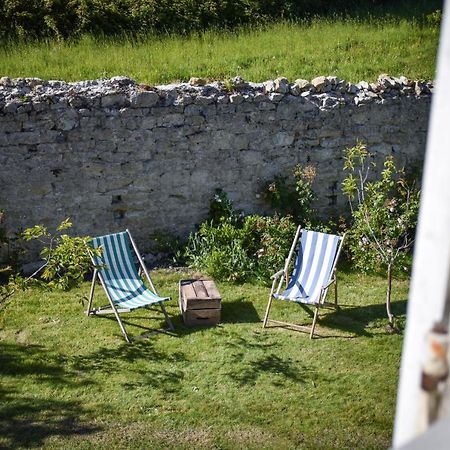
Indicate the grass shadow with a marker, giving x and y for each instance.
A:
(160, 374)
(26, 421)
(236, 311)
(134, 322)
(353, 320)
(239, 311)
(362, 320)
(257, 356)
(278, 368)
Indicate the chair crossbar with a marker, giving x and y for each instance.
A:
(99, 311)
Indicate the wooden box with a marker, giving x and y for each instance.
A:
(199, 302)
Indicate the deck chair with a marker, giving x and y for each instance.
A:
(118, 274)
(314, 271)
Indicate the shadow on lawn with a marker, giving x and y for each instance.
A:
(239, 311)
(353, 320)
(26, 421)
(246, 368)
(361, 320)
(29, 416)
(148, 366)
(279, 369)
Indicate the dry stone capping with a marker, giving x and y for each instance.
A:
(112, 153)
(124, 92)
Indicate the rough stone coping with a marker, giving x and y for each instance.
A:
(327, 92)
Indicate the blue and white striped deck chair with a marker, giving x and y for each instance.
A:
(314, 271)
(119, 276)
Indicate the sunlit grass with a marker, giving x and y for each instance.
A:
(71, 381)
(350, 49)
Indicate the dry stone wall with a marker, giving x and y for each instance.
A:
(112, 154)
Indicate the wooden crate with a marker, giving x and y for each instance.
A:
(199, 302)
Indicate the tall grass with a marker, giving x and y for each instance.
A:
(352, 49)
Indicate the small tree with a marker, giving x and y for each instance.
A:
(384, 215)
(66, 260)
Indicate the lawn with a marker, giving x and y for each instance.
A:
(71, 381)
(352, 49)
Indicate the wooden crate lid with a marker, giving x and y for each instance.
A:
(199, 290)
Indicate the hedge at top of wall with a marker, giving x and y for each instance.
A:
(112, 154)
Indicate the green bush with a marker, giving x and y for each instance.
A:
(220, 208)
(384, 211)
(72, 18)
(218, 250)
(66, 261)
(293, 198)
(271, 240)
(235, 248)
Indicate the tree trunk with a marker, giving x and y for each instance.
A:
(388, 296)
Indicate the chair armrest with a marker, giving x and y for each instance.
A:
(276, 275)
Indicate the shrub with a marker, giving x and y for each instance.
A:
(384, 214)
(293, 198)
(69, 19)
(235, 248)
(220, 207)
(66, 260)
(271, 240)
(217, 249)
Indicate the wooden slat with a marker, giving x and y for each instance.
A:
(200, 289)
(208, 317)
(210, 286)
(304, 328)
(188, 291)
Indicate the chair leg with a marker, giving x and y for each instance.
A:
(91, 294)
(316, 314)
(121, 325)
(335, 291)
(266, 317)
(168, 321)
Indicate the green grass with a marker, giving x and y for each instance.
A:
(351, 49)
(69, 381)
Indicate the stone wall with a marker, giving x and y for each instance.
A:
(112, 154)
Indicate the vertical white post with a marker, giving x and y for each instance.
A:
(431, 268)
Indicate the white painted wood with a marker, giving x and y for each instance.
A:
(436, 438)
(431, 268)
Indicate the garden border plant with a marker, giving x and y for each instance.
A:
(384, 215)
(65, 261)
(233, 247)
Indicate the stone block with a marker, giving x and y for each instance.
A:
(145, 99)
(114, 100)
(23, 137)
(204, 100)
(281, 85)
(283, 139)
(67, 120)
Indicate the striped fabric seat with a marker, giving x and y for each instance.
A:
(313, 267)
(119, 275)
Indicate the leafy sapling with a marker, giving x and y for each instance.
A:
(384, 213)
